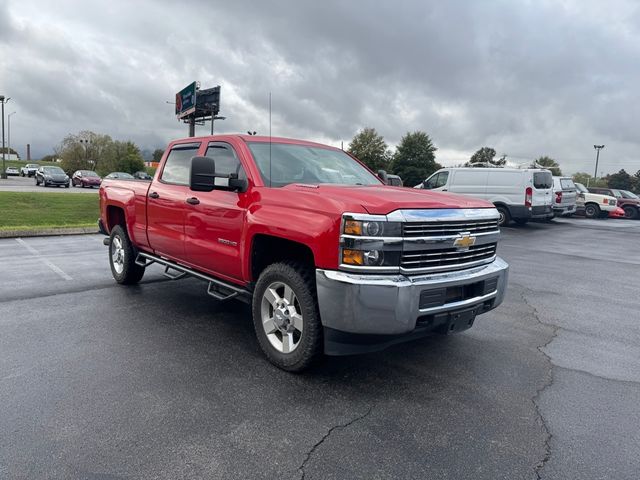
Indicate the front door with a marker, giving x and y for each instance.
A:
(214, 220)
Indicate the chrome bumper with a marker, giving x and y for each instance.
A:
(390, 304)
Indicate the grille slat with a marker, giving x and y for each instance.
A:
(490, 247)
(427, 229)
(450, 257)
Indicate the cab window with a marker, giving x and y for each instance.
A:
(176, 168)
(436, 181)
(226, 160)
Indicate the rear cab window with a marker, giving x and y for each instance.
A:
(178, 164)
(567, 184)
(542, 180)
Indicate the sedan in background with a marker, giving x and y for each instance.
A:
(142, 176)
(86, 178)
(29, 170)
(120, 176)
(52, 176)
(12, 171)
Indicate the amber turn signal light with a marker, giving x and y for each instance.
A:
(352, 257)
(353, 227)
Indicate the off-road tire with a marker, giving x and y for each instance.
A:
(300, 279)
(505, 217)
(591, 210)
(131, 272)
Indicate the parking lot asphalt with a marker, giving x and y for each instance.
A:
(99, 381)
(28, 184)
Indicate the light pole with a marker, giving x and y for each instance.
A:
(9, 131)
(3, 100)
(598, 148)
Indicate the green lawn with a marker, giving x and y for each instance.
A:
(31, 210)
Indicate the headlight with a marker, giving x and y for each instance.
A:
(48, 177)
(370, 241)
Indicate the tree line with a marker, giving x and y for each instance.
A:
(414, 160)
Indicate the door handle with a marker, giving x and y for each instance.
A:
(444, 189)
(193, 201)
(154, 195)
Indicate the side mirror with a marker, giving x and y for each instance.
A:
(382, 174)
(202, 175)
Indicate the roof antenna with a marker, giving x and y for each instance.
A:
(269, 139)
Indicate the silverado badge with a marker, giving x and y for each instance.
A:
(464, 241)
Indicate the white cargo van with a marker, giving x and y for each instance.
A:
(518, 194)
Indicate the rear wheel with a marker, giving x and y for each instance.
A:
(505, 218)
(286, 316)
(122, 258)
(630, 212)
(591, 210)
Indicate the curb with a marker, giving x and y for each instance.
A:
(46, 232)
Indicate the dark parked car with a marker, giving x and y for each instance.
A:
(85, 178)
(142, 176)
(52, 176)
(120, 176)
(631, 206)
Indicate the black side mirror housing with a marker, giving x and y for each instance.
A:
(382, 174)
(203, 177)
(202, 174)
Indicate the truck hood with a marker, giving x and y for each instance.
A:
(384, 199)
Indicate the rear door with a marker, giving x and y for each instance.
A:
(568, 192)
(166, 202)
(542, 194)
(214, 220)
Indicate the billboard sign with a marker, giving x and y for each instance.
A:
(186, 101)
(208, 102)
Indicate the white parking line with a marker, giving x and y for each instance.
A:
(44, 260)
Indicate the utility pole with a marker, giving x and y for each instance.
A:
(192, 126)
(598, 148)
(214, 117)
(9, 132)
(3, 100)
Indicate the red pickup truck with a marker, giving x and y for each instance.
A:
(332, 260)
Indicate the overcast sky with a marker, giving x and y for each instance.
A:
(527, 78)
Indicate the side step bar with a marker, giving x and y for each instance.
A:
(218, 289)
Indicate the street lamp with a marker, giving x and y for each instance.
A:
(9, 132)
(3, 100)
(598, 148)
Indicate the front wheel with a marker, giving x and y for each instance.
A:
(630, 212)
(591, 210)
(505, 218)
(122, 258)
(286, 316)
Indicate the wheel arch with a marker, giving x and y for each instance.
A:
(268, 249)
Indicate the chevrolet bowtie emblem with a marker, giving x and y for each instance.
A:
(464, 241)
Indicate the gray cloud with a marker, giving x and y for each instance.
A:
(529, 79)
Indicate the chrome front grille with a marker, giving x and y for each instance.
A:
(435, 229)
(449, 258)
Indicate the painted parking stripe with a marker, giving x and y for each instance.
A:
(44, 260)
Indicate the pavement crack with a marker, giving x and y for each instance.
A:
(548, 382)
(326, 436)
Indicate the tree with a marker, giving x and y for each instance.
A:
(621, 180)
(636, 182)
(587, 180)
(414, 159)
(548, 163)
(121, 157)
(84, 150)
(157, 155)
(485, 157)
(370, 148)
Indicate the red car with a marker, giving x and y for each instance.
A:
(332, 260)
(617, 213)
(86, 178)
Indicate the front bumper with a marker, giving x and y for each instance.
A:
(397, 306)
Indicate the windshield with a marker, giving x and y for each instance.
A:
(628, 194)
(307, 164)
(54, 170)
(89, 173)
(616, 193)
(581, 188)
